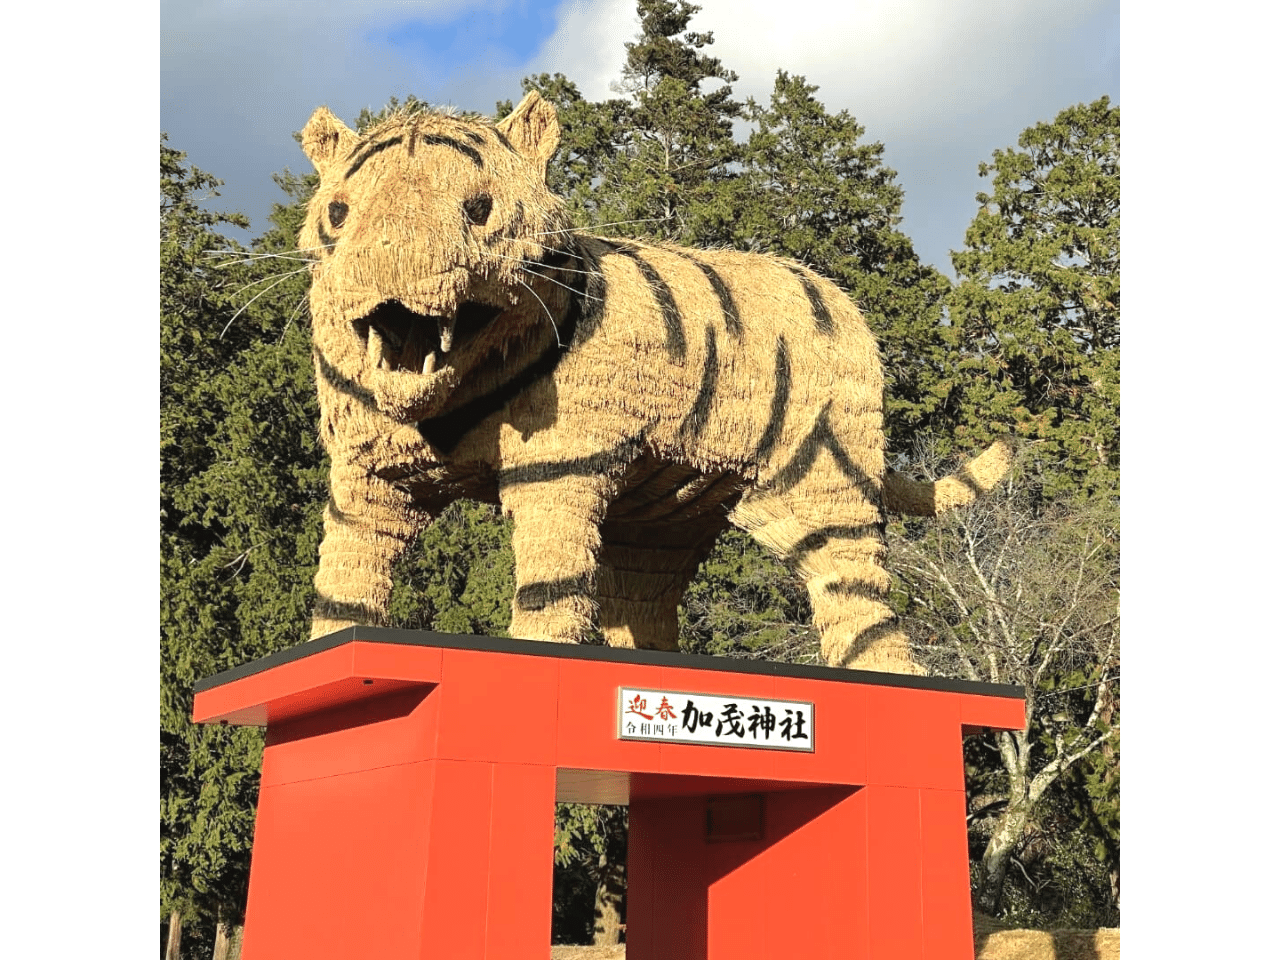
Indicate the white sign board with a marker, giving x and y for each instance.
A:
(669, 716)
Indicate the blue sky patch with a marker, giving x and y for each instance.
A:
(501, 33)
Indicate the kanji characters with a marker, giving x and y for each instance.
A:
(731, 719)
(639, 704)
(691, 718)
(715, 719)
(793, 729)
(761, 721)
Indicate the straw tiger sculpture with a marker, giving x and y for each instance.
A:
(624, 402)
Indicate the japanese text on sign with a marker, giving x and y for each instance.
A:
(665, 715)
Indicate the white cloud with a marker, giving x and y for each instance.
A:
(903, 64)
(941, 82)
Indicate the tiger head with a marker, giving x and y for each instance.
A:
(423, 232)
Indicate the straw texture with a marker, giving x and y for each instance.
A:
(623, 401)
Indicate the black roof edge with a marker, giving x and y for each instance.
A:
(580, 651)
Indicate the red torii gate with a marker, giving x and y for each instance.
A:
(409, 781)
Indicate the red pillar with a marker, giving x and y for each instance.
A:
(487, 894)
(344, 816)
(368, 846)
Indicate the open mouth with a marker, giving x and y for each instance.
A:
(397, 338)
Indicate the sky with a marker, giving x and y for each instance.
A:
(941, 83)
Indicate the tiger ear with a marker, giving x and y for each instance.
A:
(325, 138)
(533, 129)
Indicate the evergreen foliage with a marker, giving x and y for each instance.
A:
(668, 179)
(461, 577)
(1037, 309)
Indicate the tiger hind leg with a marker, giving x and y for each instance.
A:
(829, 531)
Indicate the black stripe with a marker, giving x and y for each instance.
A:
(824, 535)
(869, 636)
(821, 315)
(822, 437)
(596, 291)
(327, 608)
(666, 301)
(446, 431)
(695, 421)
(592, 465)
(781, 397)
(536, 596)
(364, 157)
(732, 321)
(474, 137)
(338, 382)
(436, 140)
(502, 139)
(852, 588)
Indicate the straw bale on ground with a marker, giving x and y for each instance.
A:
(624, 402)
(990, 943)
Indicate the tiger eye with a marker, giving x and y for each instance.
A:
(477, 208)
(337, 213)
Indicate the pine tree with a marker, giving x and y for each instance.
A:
(1037, 310)
(673, 134)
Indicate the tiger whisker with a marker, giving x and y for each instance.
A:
(581, 293)
(601, 226)
(274, 276)
(263, 256)
(530, 264)
(260, 293)
(536, 263)
(559, 342)
(544, 247)
(293, 316)
(245, 257)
